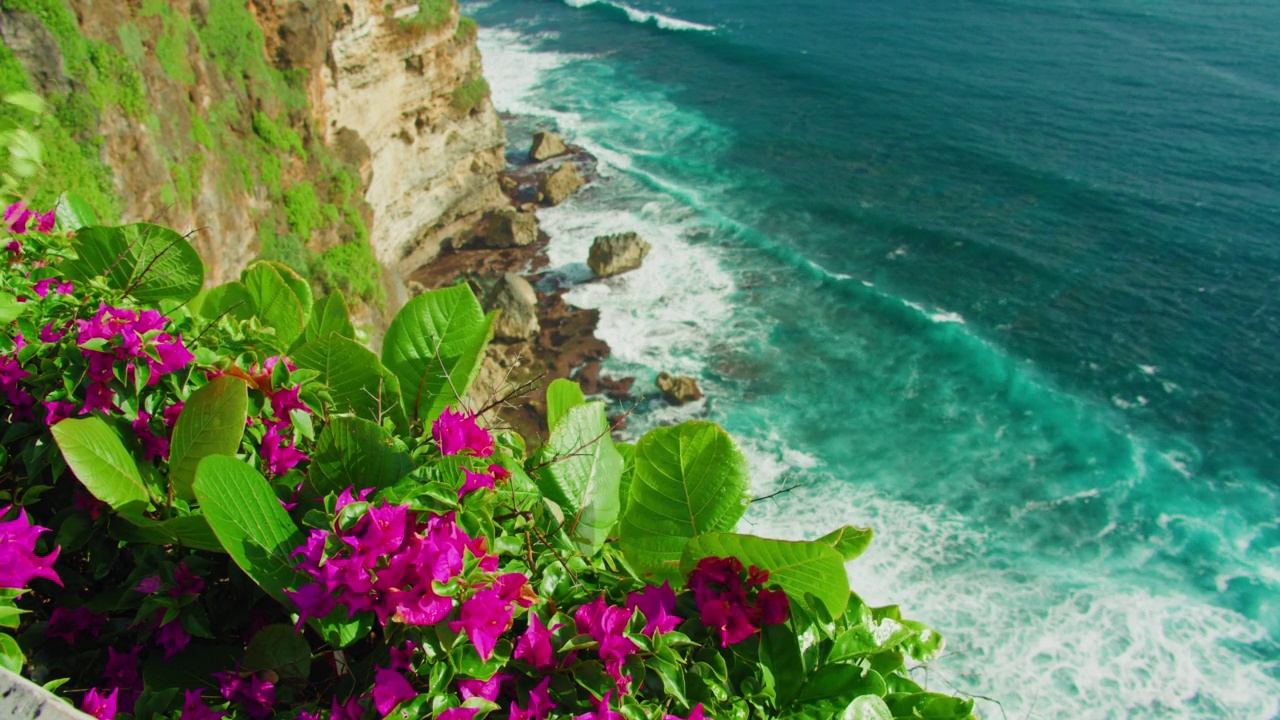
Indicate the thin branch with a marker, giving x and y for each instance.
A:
(518, 391)
(775, 494)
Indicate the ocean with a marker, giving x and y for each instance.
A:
(997, 278)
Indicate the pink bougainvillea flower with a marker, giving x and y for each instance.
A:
(57, 410)
(70, 625)
(730, 619)
(474, 481)
(695, 714)
(171, 413)
(484, 689)
(313, 601)
(280, 458)
(185, 582)
(773, 607)
(95, 704)
(350, 710)
(484, 617)
(402, 659)
(193, 708)
(534, 646)
(256, 695)
(602, 711)
(45, 222)
(19, 563)
(499, 473)
(149, 585)
(173, 356)
(459, 713)
(656, 603)
(16, 217)
(49, 335)
(390, 689)
(172, 638)
(122, 667)
(606, 625)
(540, 705)
(455, 432)
(153, 446)
(303, 715)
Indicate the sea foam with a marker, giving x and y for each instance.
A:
(642, 17)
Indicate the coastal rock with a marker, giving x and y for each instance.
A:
(678, 389)
(546, 145)
(517, 304)
(615, 254)
(559, 185)
(508, 228)
(413, 288)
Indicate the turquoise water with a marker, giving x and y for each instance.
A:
(994, 278)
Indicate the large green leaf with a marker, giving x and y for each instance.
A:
(688, 479)
(357, 382)
(931, 706)
(562, 395)
(355, 452)
(227, 299)
(153, 263)
(74, 213)
(298, 284)
(330, 315)
(211, 423)
(582, 474)
(274, 302)
(280, 649)
(95, 454)
(192, 531)
(799, 567)
(250, 523)
(10, 308)
(832, 690)
(849, 541)
(434, 346)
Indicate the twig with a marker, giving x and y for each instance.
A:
(520, 390)
(775, 494)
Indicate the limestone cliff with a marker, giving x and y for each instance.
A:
(323, 134)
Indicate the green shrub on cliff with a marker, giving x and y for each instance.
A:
(469, 94)
(431, 16)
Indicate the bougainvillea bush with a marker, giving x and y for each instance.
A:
(219, 503)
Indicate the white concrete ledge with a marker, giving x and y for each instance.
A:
(21, 699)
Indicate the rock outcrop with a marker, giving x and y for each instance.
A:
(559, 185)
(615, 254)
(517, 305)
(507, 228)
(678, 389)
(546, 145)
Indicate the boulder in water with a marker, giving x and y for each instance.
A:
(678, 389)
(546, 145)
(615, 254)
(507, 228)
(517, 320)
(559, 185)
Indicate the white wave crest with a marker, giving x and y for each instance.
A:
(666, 22)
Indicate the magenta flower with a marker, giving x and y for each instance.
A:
(455, 432)
(729, 618)
(42, 288)
(256, 695)
(171, 413)
(173, 356)
(540, 705)
(694, 714)
(773, 606)
(483, 689)
(172, 638)
(153, 446)
(149, 585)
(350, 710)
(49, 335)
(122, 668)
(402, 659)
(534, 646)
(45, 222)
(390, 689)
(67, 624)
(474, 482)
(313, 601)
(57, 410)
(420, 607)
(19, 563)
(484, 617)
(193, 708)
(656, 603)
(103, 708)
(185, 582)
(303, 715)
(16, 217)
(280, 458)
(602, 711)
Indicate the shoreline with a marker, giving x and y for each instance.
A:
(566, 345)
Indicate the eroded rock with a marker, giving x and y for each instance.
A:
(546, 145)
(517, 304)
(678, 389)
(615, 254)
(559, 185)
(508, 228)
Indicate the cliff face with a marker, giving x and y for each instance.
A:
(323, 134)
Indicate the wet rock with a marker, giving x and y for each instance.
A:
(615, 254)
(678, 389)
(559, 185)
(508, 228)
(546, 145)
(517, 304)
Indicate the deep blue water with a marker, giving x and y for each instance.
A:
(996, 278)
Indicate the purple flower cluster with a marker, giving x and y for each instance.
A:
(129, 335)
(456, 432)
(279, 453)
(172, 637)
(18, 560)
(733, 601)
(386, 563)
(11, 374)
(17, 215)
(254, 693)
(606, 624)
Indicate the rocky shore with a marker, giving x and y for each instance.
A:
(516, 371)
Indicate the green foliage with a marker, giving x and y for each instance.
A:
(148, 262)
(352, 267)
(581, 473)
(211, 423)
(800, 567)
(688, 480)
(432, 15)
(352, 452)
(273, 301)
(277, 136)
(100, 461)
(562, 396)
(357, 382)
(303, 209)
(467, 96)
(330, 316)
(434, 346)
(467, 29)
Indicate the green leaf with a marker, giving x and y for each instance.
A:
(849, 541)
(192, 531)
(868, 707)
(10, 615)
(628, 453)
(582, 474)
(434, 346)
(74, 213)
(831, 690)
(10, 308)
(780, 653)
(339, 630)
(931, 706)
(249, 522)
(279, 648)
(330, 315)
(230, 299)
(211, 423)
(153, 263)
(562, 395)
(688, 479)
(355, 452)
(26, 100)
(11, 657)
(300, 287)
(799, 567)
(274, 302)
(95, 454)
(357, 382)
